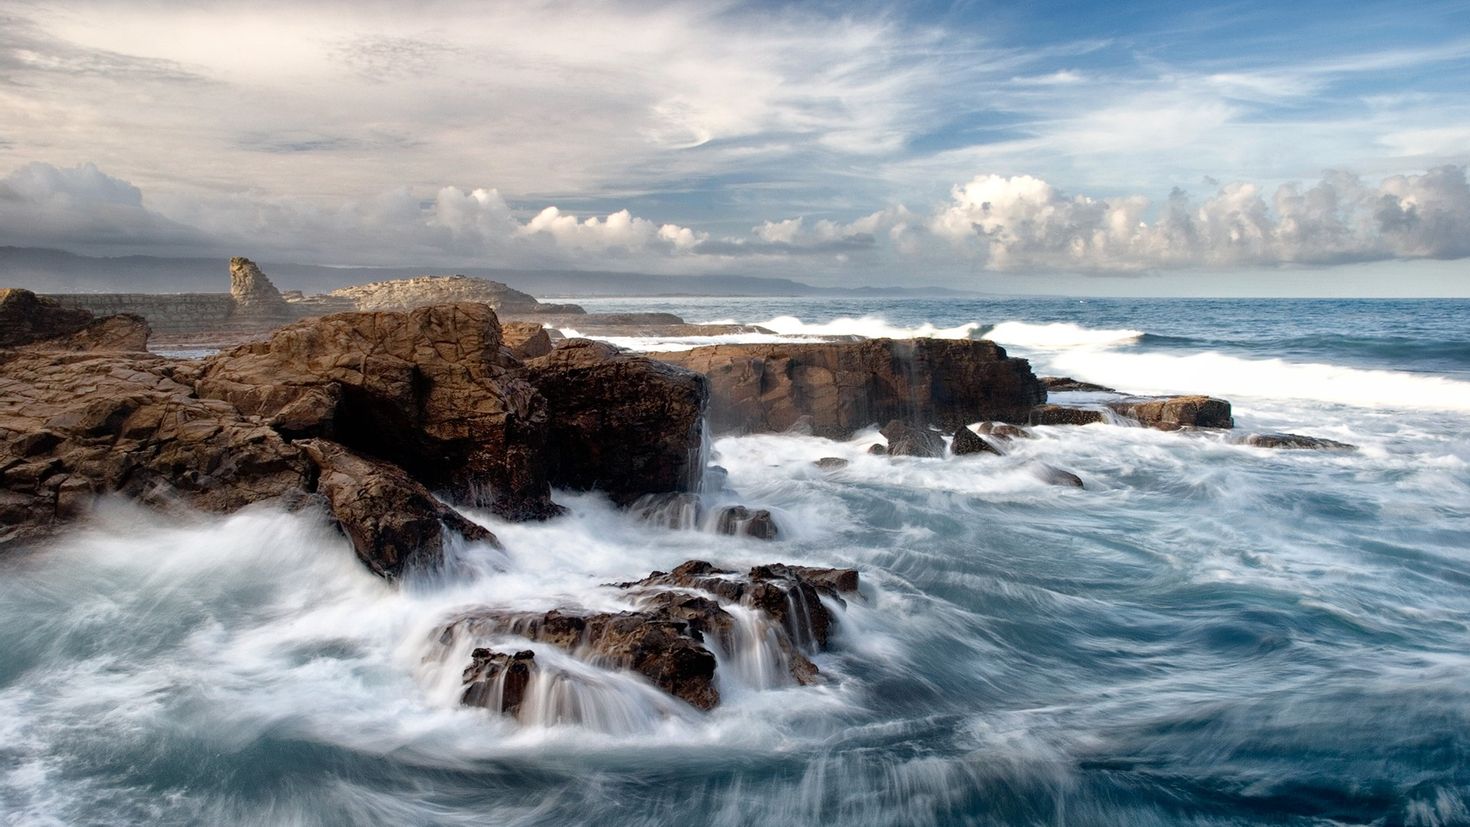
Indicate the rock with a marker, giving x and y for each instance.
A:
(400, 295)
(254, 294)
(910, 441)
(526, 340)
(1062, 415)
(394, 523)
(125, 333)
(739, 520)
(667, 650)
(842, 387)
(832, 463)
(622, 424)
(1170, 413)
(1052, 475)
(1002, 431)
(878, 449)
(967, 441)
(26, 318)
(1295, 441)
(1066, 383)
(498, 680)
(74, 426)
(429, 391)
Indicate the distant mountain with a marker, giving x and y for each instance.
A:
(56, 271)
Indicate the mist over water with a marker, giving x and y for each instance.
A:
(1208, 633)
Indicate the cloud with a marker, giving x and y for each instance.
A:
(84, 208)
(1024, 223)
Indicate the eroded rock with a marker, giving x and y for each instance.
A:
(26, 318)
(967, 442)
(909, 440)
(1170, 413)
(498, 680)
(1063, 415)
(526, 340)
(739, 520)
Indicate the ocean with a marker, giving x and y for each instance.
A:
(1206, 634)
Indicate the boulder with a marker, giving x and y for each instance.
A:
(394, 523)
(1295, 442)
(26, 318)
(428, 390)
(623, 424)
(526, 340)
(739, 520)
(1002, 431)
(911, 441)
(1170, 413)
(838, 388)
(1052, 475)
(1063, 415)
(967, 441)
(1060, 384)
(125, 332)
(878, 449)
(498, 680)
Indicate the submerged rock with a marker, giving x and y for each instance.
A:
(498, 680)
(912, 441)
(1170, 413)
(838, 388)
(831, 463)
(737, 519)
(967, 441)
(1295, 442)
(1052, 475)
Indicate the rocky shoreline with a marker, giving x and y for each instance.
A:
(388, 421)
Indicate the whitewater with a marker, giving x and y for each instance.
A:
(1208, 633)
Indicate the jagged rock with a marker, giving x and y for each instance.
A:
(401, 295)
(911, 441)
(1052, 475)
(77, 425)
(254, 294)
(1062, 415)
(737, 519)
(498, 680)
(26, 318)
(1170, 413)
(429, 391)
(967, 441)
(622, 424)
(1067, 383)
(667, 650)
(839, 388)
(125, 333)
(526, 340)
(1002, 431)
(1296, 441)
(394, 523)
(832, 463)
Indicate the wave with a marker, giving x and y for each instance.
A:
(871, 327)
(1058, 335)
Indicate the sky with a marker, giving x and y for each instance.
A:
(1161, 148)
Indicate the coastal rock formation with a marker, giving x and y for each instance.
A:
(498, 680)
(392, 521)
(1063, 415)
(1059, 384)
(424, 291)
(1002, 431)
(256, 298)
(905, 440)
(526, 340)
(739, 520)
(967, 442)
(429, 391)
(26, 318)
(838, 388)
(123, 333)
(1170, 413)
(623, 424)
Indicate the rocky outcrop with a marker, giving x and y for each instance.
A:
(1002, 431)
(124, 333)
(429, 391)
(623, 424)
(838, 388)
(526, 340)
(1063, 415)
(1170, 413)
(256, 298)
(423, 291)
(968, 442)
(905, 440)
(26, 318)
(394, 523)
(1295, 442)
(1059, 384)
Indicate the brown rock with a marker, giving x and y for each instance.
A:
(394, 523)
(124, 332)
(967, 441)
(842, 387)
(526, 340)
(498, 680)
(26, 318)
(622, 424)
(256, 298)
(1062, 415)
(1170, 413)
(402, 295)
(1002, 431)
(911, 441)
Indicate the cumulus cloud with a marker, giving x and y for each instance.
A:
(83, 207)
(1023, 222)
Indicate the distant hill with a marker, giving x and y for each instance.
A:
(56, 271)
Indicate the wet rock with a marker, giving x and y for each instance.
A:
(622, 424)
(1067, 383)
(1296, 442)
(878, 449)
(1002, 431)
(967, 441)
(1051, 475)
(394, 523)
(429, 391)
(838, 388)
(739, 520)
(911, 441)
(1170, 413)
(1063, 415)
(498, 680)
(26, 318)
(832, 463)
(526, 340)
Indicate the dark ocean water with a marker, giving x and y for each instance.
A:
(1207, 634)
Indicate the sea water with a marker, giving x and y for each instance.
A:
(1207, 633)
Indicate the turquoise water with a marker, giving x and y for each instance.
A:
(1207, 634)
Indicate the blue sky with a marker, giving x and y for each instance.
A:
(1043, 147)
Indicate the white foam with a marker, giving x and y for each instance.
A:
(1058, 335)
(870, 327)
